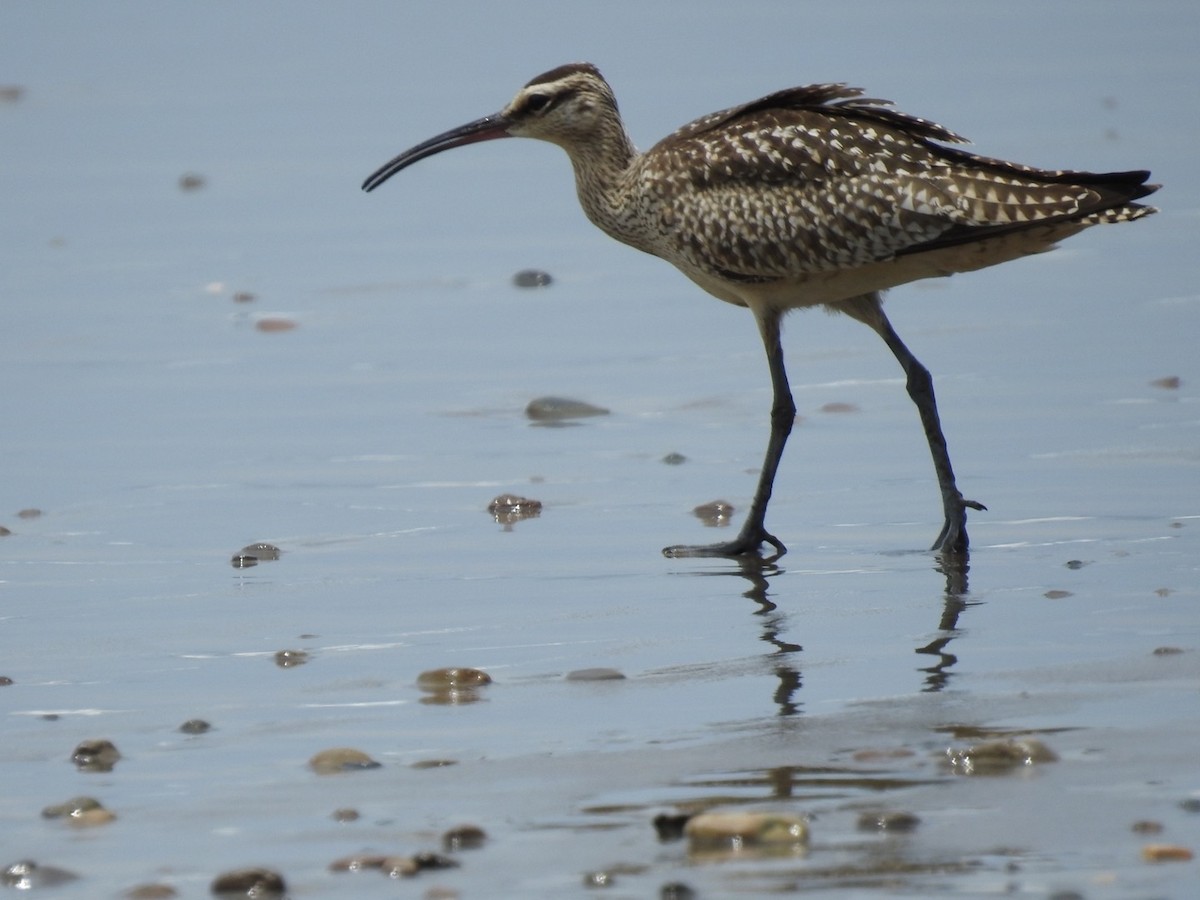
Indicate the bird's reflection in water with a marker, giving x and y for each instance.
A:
(954, 566)
(758, 573)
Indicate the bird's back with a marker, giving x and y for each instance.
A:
(809, 183)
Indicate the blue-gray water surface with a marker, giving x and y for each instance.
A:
(265, 353)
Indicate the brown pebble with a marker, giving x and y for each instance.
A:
(714, 513)
(1169, 383)
(360, 862)
(243, 297)
(1056, 595)
(25, 875)
(11, 93)
(1145, 826)
(464, 837)
(4, 532)
(262, 884)
(875, 754)
(289, 659)
(599, 673)
(1156, 853)
(999, 756)
(345, 814)
(508, 509)
(151, 892)
(341, 759)
(194, 726)
(190, 181)
(243, 561)
(5, 681)
(30, 513)
(452, 679)
(95, 756)
(560, 409)
(434, 763)
(72, 807)
(275, 324)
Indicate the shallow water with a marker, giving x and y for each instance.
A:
(160, 428)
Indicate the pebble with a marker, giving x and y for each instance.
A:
(532, 278)
(95, 756)
(837, 407)
(275, 324)
(345, 814)
(288, 659)
(26, 875)
(508, 509)
(1157, 853)
(80, 811)
(341, 759)
(151, 892)
(453, 678)
(714, 513)
(463, 837)
(243, 561)
(676, 890)
(557, 409)
(262, 884)
(741, 831)
(30, 513)
(261, 551)
(669, 826)
(191, 181)
(195, 726)
(896, 821)
(674, 459)
(999, 756)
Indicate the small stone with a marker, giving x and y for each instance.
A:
(151, 892)
(676, 890)
(243, 297)
(345, 814)
(28, 513)
(1075, 564)
(261, 551)
(289, 659)
(999, 756)
(5, 681)
(4, 532)
(434, 763)
(464, 837)
(195, 726)
(72, 807)
(243, 561)
(452, 678)
(839, 408)
(26, 875)
(262, 884)
(1169, 383)
(1190, 804)
(360, 862)
(715, 513)
(1167, 651)
(674, 459)
(557, 409)
(669, 826)
(1157, 853)
(191, 181)
(341, 759)
(532, 278)
(1145, 826)
(1056, 595)
(740, 831)
(508, 509)
(95, 756)
(275, 324)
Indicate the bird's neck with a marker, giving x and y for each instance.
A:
(605, 167)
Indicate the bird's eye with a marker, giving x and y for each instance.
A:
(536, 102)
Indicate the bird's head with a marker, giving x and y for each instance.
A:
(567, 106)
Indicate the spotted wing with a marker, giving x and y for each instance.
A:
(818, 179)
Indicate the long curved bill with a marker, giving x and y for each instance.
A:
(488, 128)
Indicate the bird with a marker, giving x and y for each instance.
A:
(814, 196)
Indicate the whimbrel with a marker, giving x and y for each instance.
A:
(812, 196)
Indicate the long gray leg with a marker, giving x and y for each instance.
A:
(783, 415)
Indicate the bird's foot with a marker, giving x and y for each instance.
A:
(953, 538)
(744, 545)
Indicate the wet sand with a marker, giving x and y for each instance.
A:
(212, 342)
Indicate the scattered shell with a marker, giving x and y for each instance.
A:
(95, 756)
(262, 884)
(997, 757)
(716, 513)
(464, 837)
(532, 278)
(341, 759)
(288, 659)
(897, 822)
(1166, 853)
(508, 509)
(557, 409)
(1170, 382)
(194, 726)
(599, 673)
(739, 832)
(191, 181)
(25, 875)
